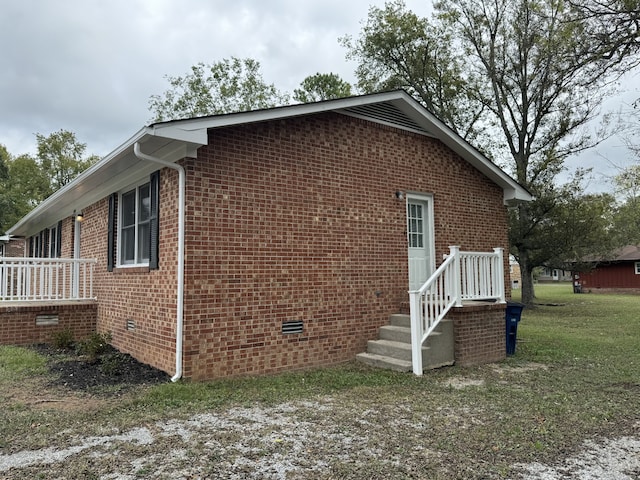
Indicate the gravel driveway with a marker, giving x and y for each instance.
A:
(291, 441)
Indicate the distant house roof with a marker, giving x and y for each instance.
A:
(177, 139)
(628, 253)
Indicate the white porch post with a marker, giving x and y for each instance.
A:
(499, 275)
(416, 332)
(75, 283)
(454, 251)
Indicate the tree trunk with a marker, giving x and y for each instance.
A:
(526, 270)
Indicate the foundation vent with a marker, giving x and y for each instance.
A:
(44, 320)
(131, 325)
(293, 326)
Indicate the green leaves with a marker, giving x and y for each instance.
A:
(26, 180)
(322, 86)
(398, 49)
(230, 85)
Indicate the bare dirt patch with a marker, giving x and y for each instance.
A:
(74, 384)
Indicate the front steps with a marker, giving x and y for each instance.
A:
(393, 350)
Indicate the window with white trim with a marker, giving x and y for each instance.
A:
(637, 268)
(53, 242)
(134, 226)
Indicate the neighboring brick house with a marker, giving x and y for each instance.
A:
(619, 272)
(294, 217)
(11, 247)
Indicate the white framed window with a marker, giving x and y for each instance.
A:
(134, 226)
(53, 242)
(637, 265)
(36, 246)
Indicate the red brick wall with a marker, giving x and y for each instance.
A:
(297, 220)
(288, 220)
(480, 334)
(18, 323)
(14, 248)
(146, 297)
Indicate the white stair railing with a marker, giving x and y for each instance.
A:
(26, 279)
(463, 276)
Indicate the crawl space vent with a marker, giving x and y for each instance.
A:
(45, 320)
(294, 326)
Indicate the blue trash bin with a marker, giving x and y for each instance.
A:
(513, 314)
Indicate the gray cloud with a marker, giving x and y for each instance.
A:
(90, 66)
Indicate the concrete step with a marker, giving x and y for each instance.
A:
(393, 349)
(389, 348)
(380, 361)
(395, 333)
(400, 320)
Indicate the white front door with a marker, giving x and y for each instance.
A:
(420, 240)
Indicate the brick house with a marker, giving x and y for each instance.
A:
(277, 239)
(11, 247)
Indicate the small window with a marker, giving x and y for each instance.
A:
(36, 246)
(637, 268)
(53, 242)
(135, 216)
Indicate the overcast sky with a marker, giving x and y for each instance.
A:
(90, 66)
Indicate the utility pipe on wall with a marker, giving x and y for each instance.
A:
(180, 293)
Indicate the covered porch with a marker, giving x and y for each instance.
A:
(42, 296)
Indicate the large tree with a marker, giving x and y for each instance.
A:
(26, 180)
(626, 221)
(322, 86)
(5, 203)
(398, 49)
(29, 185)
(62, 157)
(530, 79)
(230, 85)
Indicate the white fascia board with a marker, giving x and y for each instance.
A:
(512, 189)
(112, 173)
(279, 113)
(400, 99)
(197, 136)
(72, 189)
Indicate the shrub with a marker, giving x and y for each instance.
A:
(63, 340)
(95, 345)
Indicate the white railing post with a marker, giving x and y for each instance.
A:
(46, 279)
(456, 281)
(416, 331)
(498, 275)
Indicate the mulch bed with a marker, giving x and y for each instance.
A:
(113, 369)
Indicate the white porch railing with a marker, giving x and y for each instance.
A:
(463, 276)
(46, 279)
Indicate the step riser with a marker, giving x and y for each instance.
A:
(383, 362)
(378, 348)
(393, 333)
(400, 320)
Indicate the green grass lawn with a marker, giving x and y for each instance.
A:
(575, 376)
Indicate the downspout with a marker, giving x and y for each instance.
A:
(180, 293)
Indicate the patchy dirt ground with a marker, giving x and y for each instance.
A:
(297, 440)
(346, 436)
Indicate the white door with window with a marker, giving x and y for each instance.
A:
(420, 239)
